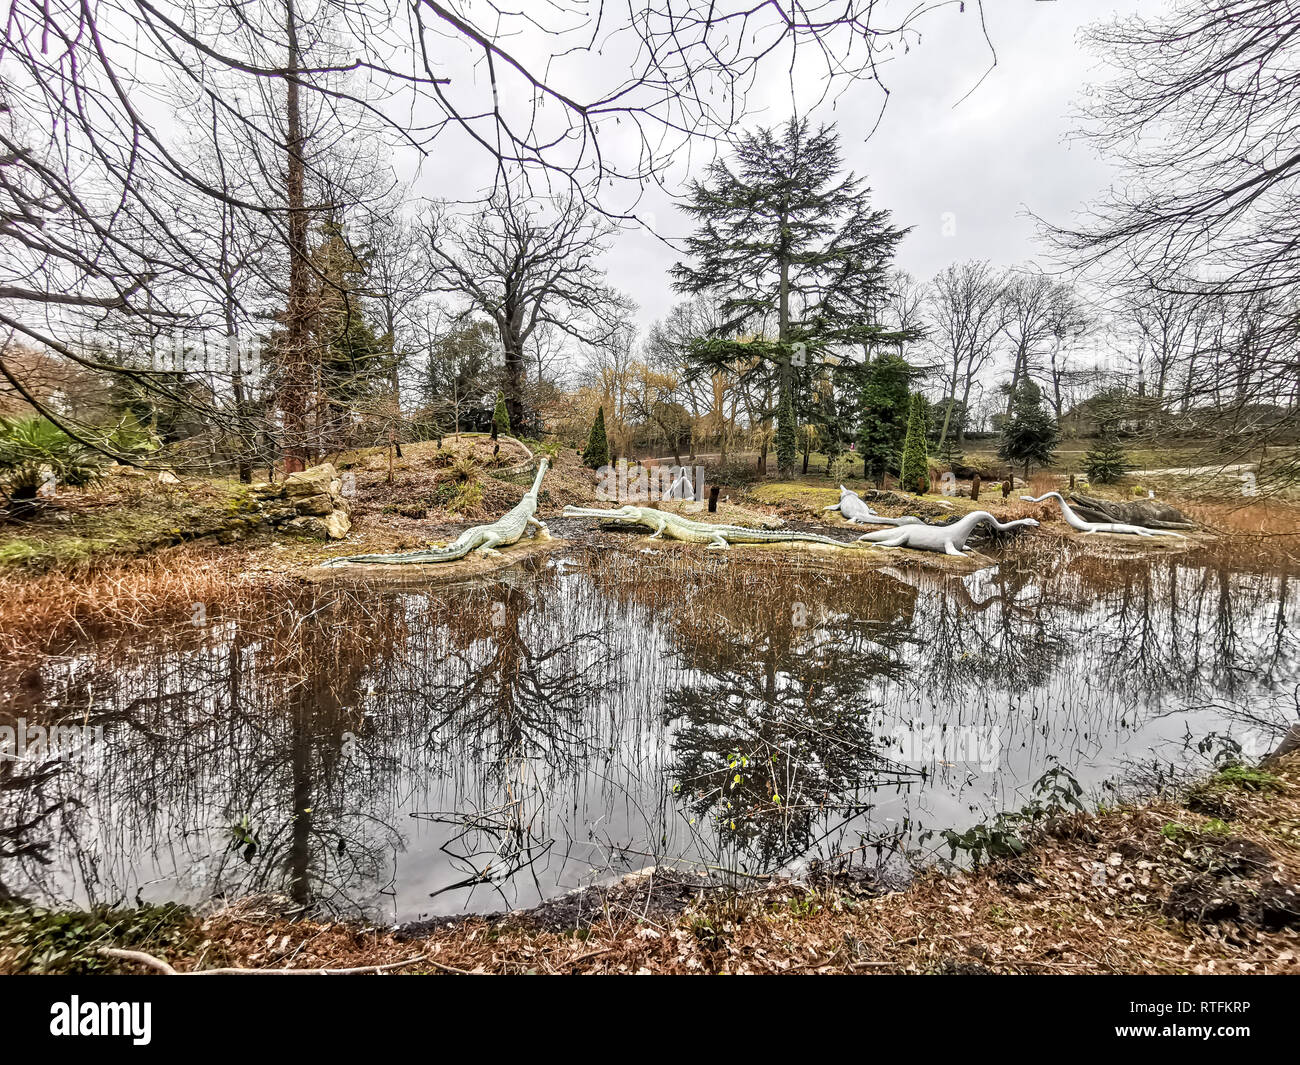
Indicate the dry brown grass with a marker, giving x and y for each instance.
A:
(40, 614)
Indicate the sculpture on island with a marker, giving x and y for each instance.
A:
(485, 539)
(675, 527)
(856, 512)
(950, 539)
(1076, 522)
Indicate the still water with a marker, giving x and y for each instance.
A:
(434, 749)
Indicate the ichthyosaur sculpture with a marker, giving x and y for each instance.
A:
(485, 539)
(950, 539)
(675, 527)
(1075, 522)
(854, 510)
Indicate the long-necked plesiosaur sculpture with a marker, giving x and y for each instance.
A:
(675, 527)
(950, 539)
(1075, 522)
(485, 539)
(857, 512)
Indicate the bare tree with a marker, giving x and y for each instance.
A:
(965, 313)
(526, 265)
(1203, 122)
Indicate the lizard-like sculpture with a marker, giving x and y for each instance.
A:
(856, 512)
(675, 527)
(950, 539)
(485, 539)
(1075, 522)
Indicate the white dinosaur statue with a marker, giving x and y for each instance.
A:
(1075, 522)
(856, 512)
(950, 539)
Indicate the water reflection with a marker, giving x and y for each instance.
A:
(394, 754)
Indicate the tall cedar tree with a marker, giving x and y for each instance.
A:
(596, 453)
(784, 240)
(1030, 434)
(884, 411)
(914, 469)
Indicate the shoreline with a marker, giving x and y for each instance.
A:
(1204, 881)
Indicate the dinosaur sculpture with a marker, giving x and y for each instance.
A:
(675, 527)
(1076, 522)
(856, 512)
(485, 539)
(950, 539)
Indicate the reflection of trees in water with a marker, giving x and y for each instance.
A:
(774, 750)
(294, 721)
(539, 707)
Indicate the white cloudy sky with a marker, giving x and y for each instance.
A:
(989, 159)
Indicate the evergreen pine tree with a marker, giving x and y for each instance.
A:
(914, 469)
(500, 418)
(791, 240)
(596, 453)
(884, 410)
(1030, 434)
(1106, 462)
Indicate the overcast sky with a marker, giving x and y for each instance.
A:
(983, 162)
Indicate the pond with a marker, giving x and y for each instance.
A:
(396, 753)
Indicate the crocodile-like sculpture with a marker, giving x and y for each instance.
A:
(856, 512)
(675, 527)
(1075, 522)
(485, 539)
(950, 539)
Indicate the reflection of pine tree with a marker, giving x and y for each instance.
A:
(773, 746)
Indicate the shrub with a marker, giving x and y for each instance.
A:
(33, 448)
(500, 417)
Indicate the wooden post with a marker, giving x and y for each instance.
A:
(975, 489)
(713, 499)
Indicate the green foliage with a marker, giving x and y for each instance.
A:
(884, 410)
(1030, 434)
(500, 417)
(31, 448)
(787, 445)
(1055, 792)
(914, 469)
(596, 453)
(783, 205)
(42, 941)
(1105, 462)
(355, 363)
(1246, 779)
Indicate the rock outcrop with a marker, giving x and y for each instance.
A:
(310, 503)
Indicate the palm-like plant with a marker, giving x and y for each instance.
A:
(32, 449)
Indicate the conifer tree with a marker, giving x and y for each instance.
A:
(790, 244)
(1030, 434)
(884, 411)
(914, 469)
(596, 453)
(500, 417)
